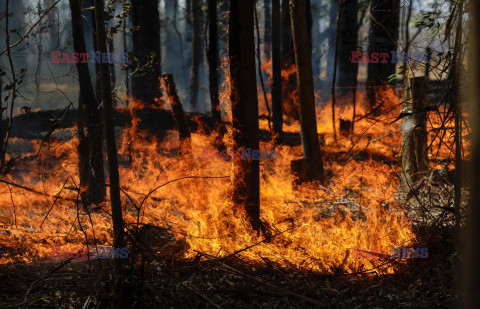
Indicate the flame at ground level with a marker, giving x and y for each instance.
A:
(317, 226)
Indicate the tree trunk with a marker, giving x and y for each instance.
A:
(178, 115)
(2, 136)
(289, 97)
(414, 132)
(172, 58)
(91, 21)
(96, 188)
(331, 33)
(306, 95)
(276, 89)
(111, 49)
(243, 97)
(267, 42)
(146, 46)
(469, 295)
(383, 37)
(197, 50)
(83, 150)
(347, 42)
(213, 62)
(120, 298)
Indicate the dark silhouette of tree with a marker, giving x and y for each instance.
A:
(383, 36)
(213, 61)
(277, 109)
(121, 292)
(147, 51)
(196, 16)
(331, 34)
(288, 60)
(267, 41)
(470, 242)
(243, 97)
(347, 42)
(306, 95)
(91, 153)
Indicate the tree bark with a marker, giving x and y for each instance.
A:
(306, 95)
(347, 42)
(120, 291)
(178, 115)
(147, 51)
(2, 135)
(243, 97)
(111, 49)
(289, 97)
(331, 33)
(197, 50)
(91, 21)
(276, 89)
(173, 53)
(96, 188)
(213, 62)
(414, 132)
(468, 293)
(267, 41)
(383, 36)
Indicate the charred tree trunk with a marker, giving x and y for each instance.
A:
(383, 36)
(120, 297)
(127, 78)
(2, 136)
(178, 114)
(91, 17)
(347, 42)
(332, 30)
(276, 89)
(267, 41)
(147, 51)
(303, 56)
(308, 5)
(243, 97)
(96, 189)
(289, 81)
(213, 61)
(197, 50)
(83, 149)
(414, 132)
(469, 295)
(112, 69)
(172, 47)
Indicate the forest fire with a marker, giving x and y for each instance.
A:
(316, 227)
(234, 151)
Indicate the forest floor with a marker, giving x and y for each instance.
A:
(231, 283)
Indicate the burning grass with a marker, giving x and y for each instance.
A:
(314, 227)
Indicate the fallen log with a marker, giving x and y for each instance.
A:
(34, 125)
